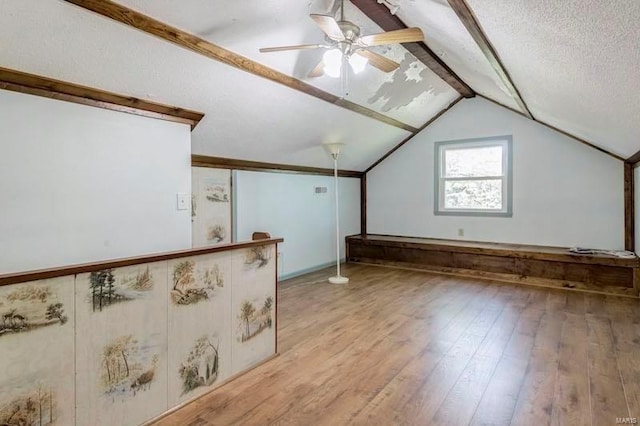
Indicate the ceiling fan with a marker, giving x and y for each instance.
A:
(345, 44)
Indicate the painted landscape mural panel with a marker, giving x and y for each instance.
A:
(253, 275)
(211, 206)
(129, 366)
(36, 353)
(201, 365)
(107, 289)
(216, 189)
(257, 257)
(37, 407)
(255, 319)
(199, 324)
(30, 306)
(122, 344)
(193, 284)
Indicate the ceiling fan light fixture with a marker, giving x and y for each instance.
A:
(332, 60)
(358, 63)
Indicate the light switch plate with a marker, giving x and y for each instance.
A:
(183, 201)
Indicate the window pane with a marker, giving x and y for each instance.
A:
(473, 162)
(473, 194)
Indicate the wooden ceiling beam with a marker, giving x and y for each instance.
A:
(470, 22)
(132, 18)
(32, 84)
(587, 143)
(380, 14)
(235, 164)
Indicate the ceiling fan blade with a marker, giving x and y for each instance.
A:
(329, 25)
(298, 47)
(318, 70)
(379, 61)
(406, 35)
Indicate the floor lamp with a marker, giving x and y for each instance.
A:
(334, 150)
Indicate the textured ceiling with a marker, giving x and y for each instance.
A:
(575, 62)
(449, 39)
(412, 94)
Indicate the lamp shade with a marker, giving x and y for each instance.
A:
(333, 148)
(357, 63)
(332, 62)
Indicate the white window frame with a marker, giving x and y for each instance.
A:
(507, 177)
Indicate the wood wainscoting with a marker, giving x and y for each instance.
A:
(536, 265)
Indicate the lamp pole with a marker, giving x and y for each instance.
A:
(334, 150)
(335, 178)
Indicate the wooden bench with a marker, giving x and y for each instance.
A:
(537, 265)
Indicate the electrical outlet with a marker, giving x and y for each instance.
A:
(460, 232)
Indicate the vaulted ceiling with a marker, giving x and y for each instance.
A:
(574, 63)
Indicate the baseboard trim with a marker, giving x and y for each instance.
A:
(308, 270)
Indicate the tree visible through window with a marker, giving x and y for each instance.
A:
(473, 177)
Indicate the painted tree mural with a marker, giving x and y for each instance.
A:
(257, 256)
(29, 308)
(55, 311)
(124, 368)
(101, 284)
(216, 233)
(115, 361)
(107, 290)
(254, 319)
(34, 408)
(200, 368)
(193, 286)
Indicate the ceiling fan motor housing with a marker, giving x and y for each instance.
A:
(351, 32)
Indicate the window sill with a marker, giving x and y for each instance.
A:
(472, 213)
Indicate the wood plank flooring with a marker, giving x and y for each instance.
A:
(399, 347)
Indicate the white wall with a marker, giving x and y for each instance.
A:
(565, 193)
(285, 206)
(82, 184)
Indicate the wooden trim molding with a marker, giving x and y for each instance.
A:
(582, 141)
(363, 205)
(234, 164)
(634, 159)
(41, 274)
(629, 208)
(470, 22)
(32, 84)
(407, 139)
(379, 14)
(132, 18)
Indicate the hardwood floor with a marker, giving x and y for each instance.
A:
(399, 347)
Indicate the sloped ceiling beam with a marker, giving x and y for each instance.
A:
(379, 14)
(582, 141)
(132, 18)
(46, 87)
(470, 22)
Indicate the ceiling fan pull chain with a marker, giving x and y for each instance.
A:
(344, 77)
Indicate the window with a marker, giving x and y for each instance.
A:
(473, 177)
